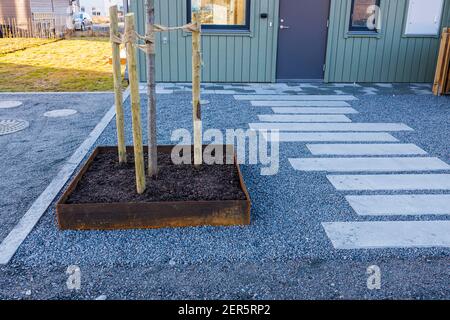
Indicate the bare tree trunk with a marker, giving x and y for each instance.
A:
(196, 69)
(118, 97)
(151, 92)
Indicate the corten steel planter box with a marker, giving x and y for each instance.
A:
(149, 215)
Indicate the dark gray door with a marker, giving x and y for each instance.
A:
(302, 39)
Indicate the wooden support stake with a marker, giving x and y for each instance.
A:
(30, 23)
(135, 103)
(9, 28)
(196, 69)
(117, 74)
(14, 27)
(151, 91)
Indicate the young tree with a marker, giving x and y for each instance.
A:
(151, 91)
(196, 70)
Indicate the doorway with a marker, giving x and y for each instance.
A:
(302, 39)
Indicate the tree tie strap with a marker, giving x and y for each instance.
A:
(132, 37)
(115, 39)
(190, 27)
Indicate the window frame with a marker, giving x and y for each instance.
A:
(352, 29)
(222, 27)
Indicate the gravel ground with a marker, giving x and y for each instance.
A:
(32, 157)
(285, 253)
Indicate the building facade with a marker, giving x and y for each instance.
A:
(99, 8)
(24, 9)
(301, 40)
(26, 13)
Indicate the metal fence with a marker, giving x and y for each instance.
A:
(40, 25)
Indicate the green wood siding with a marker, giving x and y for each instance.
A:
(390, 57)
(227, 57)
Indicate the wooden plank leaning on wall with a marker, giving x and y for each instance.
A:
(441, 83)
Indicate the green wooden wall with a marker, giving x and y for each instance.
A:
(227, 57)
(391, 57)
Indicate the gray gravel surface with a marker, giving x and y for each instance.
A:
(32, 157)
(285, 253)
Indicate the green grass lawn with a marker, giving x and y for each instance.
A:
(65, 65)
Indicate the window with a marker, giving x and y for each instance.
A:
(223, 14)
(424, 17)
(364, 15)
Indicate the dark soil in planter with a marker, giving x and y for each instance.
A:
(106, 181)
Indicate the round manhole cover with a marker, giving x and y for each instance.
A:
(8, 126)
(9, 104)
(60, 113)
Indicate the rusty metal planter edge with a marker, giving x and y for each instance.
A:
(150, 215)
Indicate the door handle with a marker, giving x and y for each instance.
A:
(284, 27)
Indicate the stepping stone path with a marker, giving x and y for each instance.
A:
(293, 89)
(303, 118)
(322, 127)
(8, 104)
(8, 126)
(365, 149)
(318, 103)
(281, 97)
(60, 113)
(292, 116)
(388, 234)
(419, 204)
(334, 137)
(369, 164)
(392, 182)
(315, 110)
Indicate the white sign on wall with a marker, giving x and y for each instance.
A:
(424, 17)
